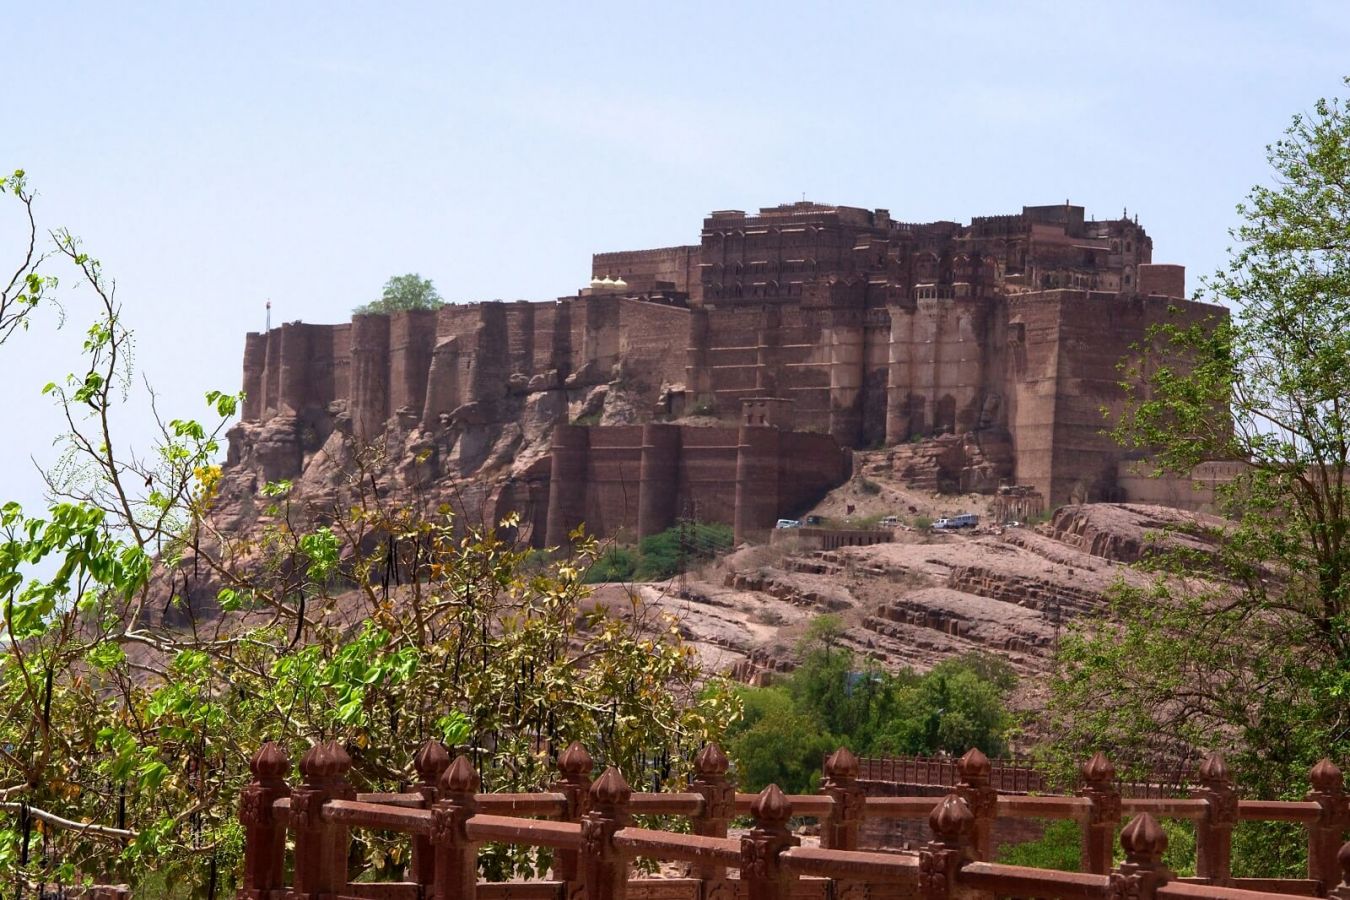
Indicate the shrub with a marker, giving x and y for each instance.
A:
(615, 564)
(666, 554)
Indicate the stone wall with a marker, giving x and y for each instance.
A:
(1005, 333)
(640, 480)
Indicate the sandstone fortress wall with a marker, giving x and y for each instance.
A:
(803, 331)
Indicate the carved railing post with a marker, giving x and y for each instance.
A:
(1142, 872)
(763, 874)
(320, 848)
(1342, 890)
(1214, 833)
(264, 838)
(981, 798)
(840, 830)
(430, 761)
(719, 806)
(456, 866)
(941, 858)
(1099, 828)
(604, 870)
(1325, 835)
(574, 783)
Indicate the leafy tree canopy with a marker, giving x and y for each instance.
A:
(128, 714)
(404, 292)
(834, 699)
(1245, 649)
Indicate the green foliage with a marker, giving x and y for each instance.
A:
(1060, 848)
(615, 564)
(402, 293)
(662, 556)
(833, 699)
(130, 712)
(1244, 648)
(677, 548)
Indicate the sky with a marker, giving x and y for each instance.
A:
(215, 156)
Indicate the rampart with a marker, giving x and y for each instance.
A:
(1008, 331)
(640, 480)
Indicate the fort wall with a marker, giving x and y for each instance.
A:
(1006, 333)
(639, 480)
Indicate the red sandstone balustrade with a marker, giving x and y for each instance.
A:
(448, 819)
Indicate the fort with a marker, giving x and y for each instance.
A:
(755, 361)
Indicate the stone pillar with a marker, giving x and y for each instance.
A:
(561, 350)
(522, 324)
(1099, 829)
(846, 377)
(431, 761)
(659, 478)
(264, 837)
(982, 800)
(443, 382)
(569, 452)
(604, 868)
(900, 378)
(320, 847)
(491, 358)
(719, 807)
(766, 353)
(840, 830)
(456, 856)
(1142, 872)
(763, 874)
(1324, 835)
(1214, 833)
(698, 376)
(412, 339)
(271, 376)
(574, 783)
(1342, 890)
(369, 403)
(255, 362)
(600, 339)
(942, 858)
(756, 482)
(295, 358)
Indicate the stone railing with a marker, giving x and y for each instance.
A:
(588, 826)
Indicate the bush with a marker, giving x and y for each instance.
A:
(666, 554)
(615, 564)
(833, 698)
(1060, 847)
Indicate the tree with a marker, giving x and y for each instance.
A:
(128, 712)
(402, 293)
(1246, 648)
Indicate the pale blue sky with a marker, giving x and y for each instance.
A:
(216, 155)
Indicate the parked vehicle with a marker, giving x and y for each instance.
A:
(890, 522)
(788, 523)
(814, 520)
(955, 523)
